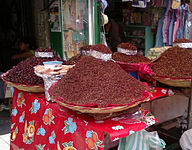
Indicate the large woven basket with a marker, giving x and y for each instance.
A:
(93, 110)
(27, 88)
(174, 82)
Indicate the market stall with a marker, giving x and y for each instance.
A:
(96, 96)
(39, 122)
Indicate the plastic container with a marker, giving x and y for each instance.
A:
(53, 64)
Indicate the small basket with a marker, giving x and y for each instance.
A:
(173, 82)
(22, 87)
(92, 110)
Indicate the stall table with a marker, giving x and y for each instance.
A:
(38, 124)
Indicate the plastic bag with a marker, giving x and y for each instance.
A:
(142, 140)
(142, 68)
(185, 140)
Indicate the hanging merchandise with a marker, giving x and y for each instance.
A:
(190, 5)
(189, 25)
(166, 24)
(176, 23)
(158, 3)
(54, 17)
(103, 4)
(140, 3)
(67, 16)
(75, 25)
(146, 19)
(104, 20)
(176, 4)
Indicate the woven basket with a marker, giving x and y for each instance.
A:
(93, 110)
(174, 82)
(27, 88)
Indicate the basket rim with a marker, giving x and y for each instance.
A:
(171, 78)
(146, 94)
(18, 84)
(102, 110)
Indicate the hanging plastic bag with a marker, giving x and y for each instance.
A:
(185, 140)
(142, 140)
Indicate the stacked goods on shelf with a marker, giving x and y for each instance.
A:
(174, 67)
(157, 51)
(22, 75)
(98, 84)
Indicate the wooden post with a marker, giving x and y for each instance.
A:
(189, 125)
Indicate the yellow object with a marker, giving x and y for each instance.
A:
(156, 52)
(190, 5)
(174, 83)
(31, 130)
(58, 146)
(70, 148)
(105, 19)
(176, 4)
(13, 137)
(25, 128)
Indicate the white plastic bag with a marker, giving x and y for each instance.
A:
(142, 140)
(186, 140)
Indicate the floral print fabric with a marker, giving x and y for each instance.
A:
(41, 125)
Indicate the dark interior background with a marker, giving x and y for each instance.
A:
(16, 22)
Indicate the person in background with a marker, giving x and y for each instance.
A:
(114, 34)
(9, 58)
(25, 50)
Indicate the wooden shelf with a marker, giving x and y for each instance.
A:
(148, 35)
(134, 36)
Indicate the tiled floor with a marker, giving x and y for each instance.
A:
(5, 123)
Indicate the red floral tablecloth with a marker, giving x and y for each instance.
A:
(41, 125)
